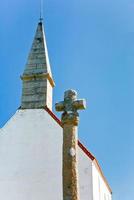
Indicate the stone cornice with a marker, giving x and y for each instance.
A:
(43, 75)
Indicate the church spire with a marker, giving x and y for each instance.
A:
(37, 77)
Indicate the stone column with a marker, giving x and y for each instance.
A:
(70, 120)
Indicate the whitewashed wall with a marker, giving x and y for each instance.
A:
(100, 190)
(31, 157)
(31, 160)
(85, 176)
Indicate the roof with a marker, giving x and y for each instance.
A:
(85, 150)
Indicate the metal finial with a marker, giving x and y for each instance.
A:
(41, 10)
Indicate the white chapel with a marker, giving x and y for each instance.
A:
(31, 142)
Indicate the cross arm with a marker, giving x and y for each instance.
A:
(79, 104)
(59, 106)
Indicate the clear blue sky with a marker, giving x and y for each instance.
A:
(91, 49)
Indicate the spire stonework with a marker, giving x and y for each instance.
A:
(70, 120)
(37, 77)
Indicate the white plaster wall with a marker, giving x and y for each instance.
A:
(85, 176)
(31, 160)
(100, 190)
(31, 157)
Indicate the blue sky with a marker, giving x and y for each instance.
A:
(91, 49)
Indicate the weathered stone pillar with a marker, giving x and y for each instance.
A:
(70, 120)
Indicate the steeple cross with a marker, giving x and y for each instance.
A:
(41, 10)
(70, 106)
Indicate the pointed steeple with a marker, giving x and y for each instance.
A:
(37, 76)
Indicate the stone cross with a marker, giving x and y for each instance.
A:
(70, 120)
(69, 106)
